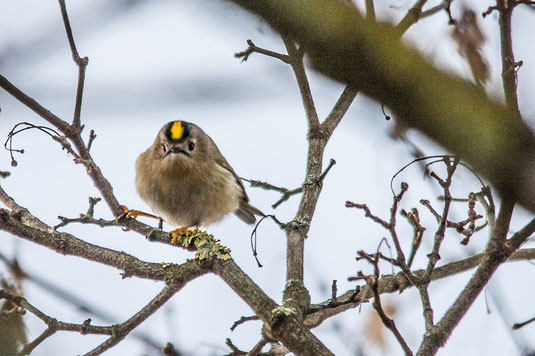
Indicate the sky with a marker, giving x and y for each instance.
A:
(154, 62)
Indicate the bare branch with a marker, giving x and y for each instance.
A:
(67, 244)
(339, 110)
(412, 16)
(242, 320)
(371, 281)
(496, 253)
(517, 326)
(53, 324)
(509, 65)
(368, 213)
(254, 49)
(35, 106)
(92, 137)
(414, 219)
(317, 313)
(285, 328)
(296, 57)
(122, 330)
(287, 193)
(80, 62)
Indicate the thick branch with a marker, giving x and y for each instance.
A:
(67, 244)
(284, 328)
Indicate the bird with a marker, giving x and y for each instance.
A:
(185, 179)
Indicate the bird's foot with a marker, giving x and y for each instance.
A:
(181, 231)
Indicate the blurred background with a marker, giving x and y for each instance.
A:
(151, 62)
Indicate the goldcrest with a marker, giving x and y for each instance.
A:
(185, 179)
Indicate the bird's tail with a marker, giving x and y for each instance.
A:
(247, 212)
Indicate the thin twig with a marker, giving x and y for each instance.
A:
(371, 281)
(367, 213)
(522, 324)
(244, 55)
(80, 62)
(92, 137)
(414, 219)
(412, 16)
(235, 350)
(242, 320)
(287, 193)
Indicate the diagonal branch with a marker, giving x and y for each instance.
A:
(296, 61)
(122, 330)
(338, 111)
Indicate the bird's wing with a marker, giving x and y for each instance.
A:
(223, 163)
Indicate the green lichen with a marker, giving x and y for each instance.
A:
(284, 310)
(205, 244)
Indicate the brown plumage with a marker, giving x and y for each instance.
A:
(186, 180)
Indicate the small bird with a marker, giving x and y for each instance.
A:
(185, 179)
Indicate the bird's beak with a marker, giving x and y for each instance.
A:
(176, 149)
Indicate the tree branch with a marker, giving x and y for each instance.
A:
(494, 255)
(318, 313)
(80, 62)
(122, 330)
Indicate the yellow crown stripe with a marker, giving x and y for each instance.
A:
(177, 130)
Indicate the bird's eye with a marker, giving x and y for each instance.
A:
(164, 148)
(191, 145)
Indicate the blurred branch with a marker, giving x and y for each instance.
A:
(509, 65)
(53, 324)
(521, 325)
(71, 298)
(254, 49)
(412, 16)
(369, 57)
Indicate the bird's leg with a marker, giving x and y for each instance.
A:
(134, 214)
